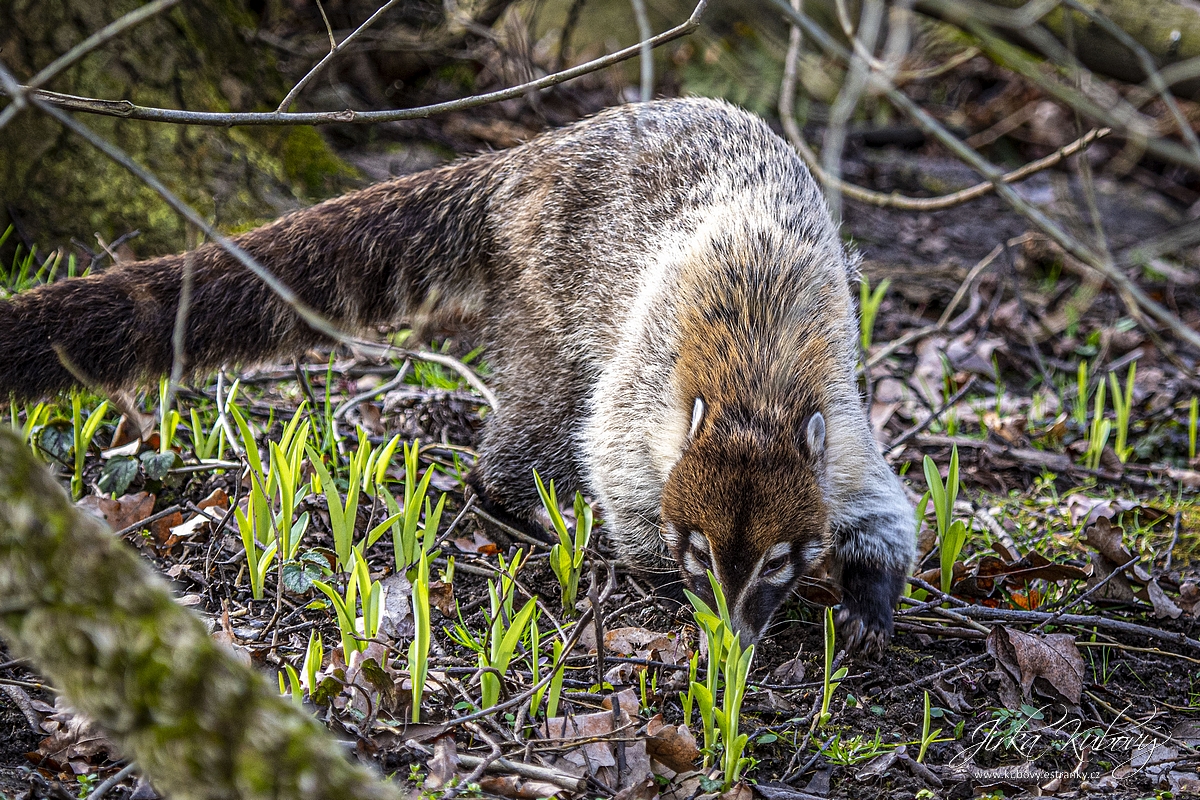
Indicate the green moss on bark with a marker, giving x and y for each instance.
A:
(199, 56)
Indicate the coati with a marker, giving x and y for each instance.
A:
(665, 302)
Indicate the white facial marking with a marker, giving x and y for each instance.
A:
(697, 417)
(783, 575)
(693, 565)
(698, 541)
(813, 551)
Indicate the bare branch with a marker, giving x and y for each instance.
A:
(334, 49)
(787, 115)
(128, 110)
(1135, 300)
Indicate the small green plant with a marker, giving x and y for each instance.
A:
(1080, 408)
(728, 669)
(566, 557)
(410, 537)
(35, 417)
(869, 302)
(831, 679)
(686, 699)
(356, 630)
(1123, 405)
(206, 446)
(927, 736)
(342, 515)
(1098, 432)
(855, 749)
(292, 687)
(1193, 419)
(168, 418)
(250, 523)
(418, 649)
(314, 656)
(84, 432)
(952, 533)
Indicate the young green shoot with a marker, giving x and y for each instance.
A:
(84, 432)
(504, 634)
(869, 302)
(168, 418)
(1098, 431)
(1193, 420)
(249, 523)
(206, 446)
(728, 669)
(832, 679)
(418, 649)
(410, 538)
(1080, 410)
(292, 688)
(356, 630)
(1123, 405)
(342, 515)
(566, 557)
(952, 533)
(927, 736)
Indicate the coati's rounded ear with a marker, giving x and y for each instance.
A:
(698, 409)
(814, 436)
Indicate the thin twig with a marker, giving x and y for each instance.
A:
(787, 115)
(334, 49)
(128, 110)
(112, 781)
(932, 418)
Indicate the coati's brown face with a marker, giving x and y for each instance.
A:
(746, 503)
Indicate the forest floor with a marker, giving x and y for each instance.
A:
(1063, 661)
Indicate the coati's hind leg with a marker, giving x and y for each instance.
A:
(517, 440)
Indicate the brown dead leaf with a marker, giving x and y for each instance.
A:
(1010, 430)
(441, 597)
(1106, 538)
(1053, 658)
(672, 745)
(1189, 597)
(522, 788)
(161, 530)
(645, 789)
(1164, 607)
(444, 763)
(74, 738)
(739, 791)
(121, 513)
(1117, 590)
(478, 543)
(216, 499)
(789, 672)
(1090, 509)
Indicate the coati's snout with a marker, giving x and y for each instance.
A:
(747, 504)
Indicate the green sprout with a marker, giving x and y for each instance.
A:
(869, 302)
(1098, 432)
(1193, 418)
(728, 668)
(1123, 405)
(250, 524)
(927, 737)
(84, 432)
(356, 630)
(831, 679)
(952, 533)
(410, 538)
(418, 649)
(566, 557)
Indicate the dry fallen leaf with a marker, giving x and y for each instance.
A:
(1164, 607)
(478, 543)
(522, 788)
(672, 745)
(444, 763)
(120, 513)
(1053, 659)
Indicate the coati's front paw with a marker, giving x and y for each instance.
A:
(869, 596)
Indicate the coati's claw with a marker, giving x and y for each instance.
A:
(869, 595)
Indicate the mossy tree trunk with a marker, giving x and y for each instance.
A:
(199, 55)
(103, 627)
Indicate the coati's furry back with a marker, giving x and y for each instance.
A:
(666, 305)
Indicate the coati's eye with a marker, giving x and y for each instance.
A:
(697, 560)
(777, 568)
(775, 564)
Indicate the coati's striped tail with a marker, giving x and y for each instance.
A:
(358, 260)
